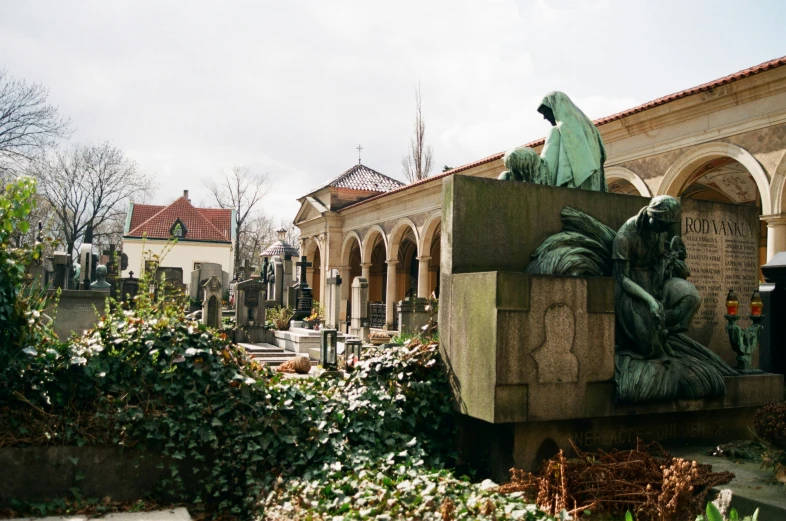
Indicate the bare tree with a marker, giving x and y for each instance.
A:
(258, 232)
(240, 190)
(417, 164)
(90, 183)
(28, 125)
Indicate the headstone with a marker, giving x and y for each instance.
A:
(359, 324)
(333, 290)
(129, 288)
(250, 303)
(723, 253)
(412, 315)
(278, 284)
(200, 276)
(86, 258)
(211, 303)
(305, 299)
(62, 265)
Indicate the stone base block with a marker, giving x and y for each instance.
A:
(495, 448)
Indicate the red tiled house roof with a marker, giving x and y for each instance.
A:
(201, 224)
(745, 73)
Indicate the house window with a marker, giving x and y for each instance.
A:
(178, 230)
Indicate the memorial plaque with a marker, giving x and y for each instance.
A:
(723, 253)
(251, 290)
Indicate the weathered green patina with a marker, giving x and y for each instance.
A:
(654, 303)
(572, 156)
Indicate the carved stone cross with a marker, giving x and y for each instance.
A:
(337, 280)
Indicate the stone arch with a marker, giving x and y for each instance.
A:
(619, 172)
(679, 173)
(394, 240)
(346, 246)
(778, 187)
(310, 246)
(367, 246)
(427, 235)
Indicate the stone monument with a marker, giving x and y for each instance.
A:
(359, 316)
(201, 275)
(211, 303)
(333, 300)
(305, 299)
(250, 311)
(532, 358)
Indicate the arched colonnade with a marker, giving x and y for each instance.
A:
(398, 263)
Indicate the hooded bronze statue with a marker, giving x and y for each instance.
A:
(572, 156)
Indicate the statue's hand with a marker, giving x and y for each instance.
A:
(656, 308)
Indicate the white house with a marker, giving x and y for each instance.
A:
(203, 235)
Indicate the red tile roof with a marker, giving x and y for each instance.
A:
(201, 224)
(361, 177)
(745, 73)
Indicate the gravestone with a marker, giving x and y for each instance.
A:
(333, 302)
(211, 303)
(86, 258)
(250, 311)
(305, 299)
(359, 320)
(200, 276)
(112, 270)
(169, 281)
(62, 265)
(531, 358)
(129, 288)
(412, 315)
(277, 284)
(723, 254)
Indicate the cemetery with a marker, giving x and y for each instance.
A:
(526, 340)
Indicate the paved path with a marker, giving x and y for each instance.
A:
(752, 486)
(177, 514)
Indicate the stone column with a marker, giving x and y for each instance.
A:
(390, 293)
(423, 276)
(776, 234)
(365, 270)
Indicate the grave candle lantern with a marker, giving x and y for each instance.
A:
(732, 303)
(328, 348)
(352, 351)
(757, 306)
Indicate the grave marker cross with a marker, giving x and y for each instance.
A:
(303, 265)
(335, 280)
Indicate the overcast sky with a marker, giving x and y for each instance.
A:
(291, 88)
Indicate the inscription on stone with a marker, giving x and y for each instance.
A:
(625, 436)
(251, 291)
(723, 253)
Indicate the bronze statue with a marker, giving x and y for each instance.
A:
(654, 303)
(572, 156)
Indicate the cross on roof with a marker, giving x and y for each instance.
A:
(359, 149)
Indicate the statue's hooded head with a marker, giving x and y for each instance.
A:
(662, 212)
